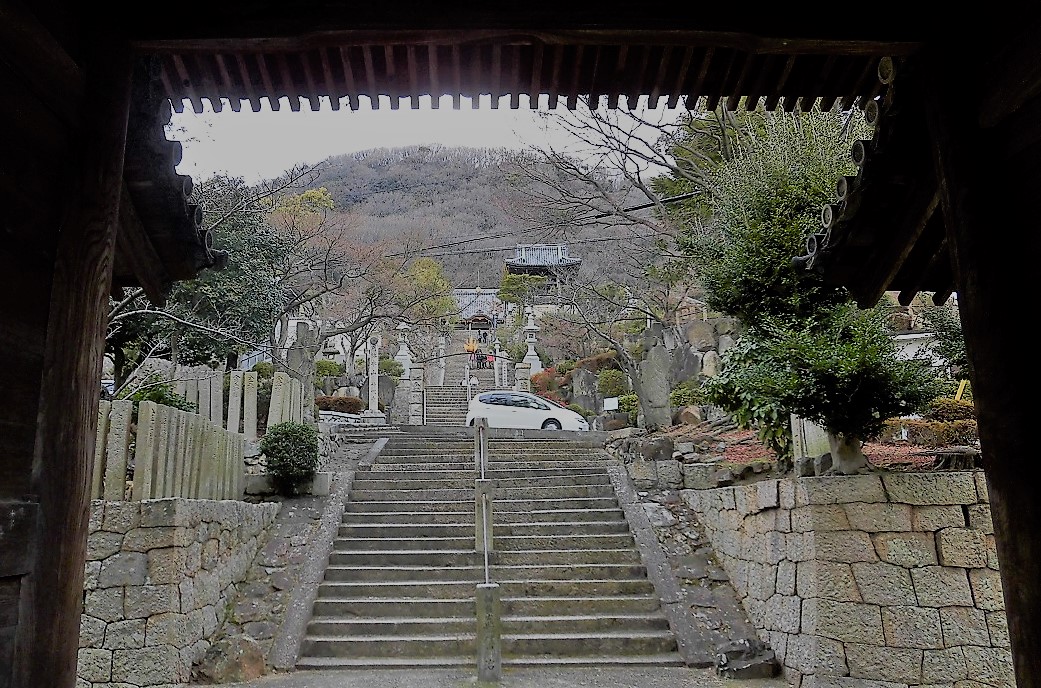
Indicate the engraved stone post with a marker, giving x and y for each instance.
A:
(217, 397)
(279, 392)
(372, 415)
(116, 451)
(235, 401)
(415, 395)
(204, 397)
(144, 451)
(523, 382)
(97, 479)
(249, 405)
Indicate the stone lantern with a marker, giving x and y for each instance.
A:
(531, 358)
(404, 356)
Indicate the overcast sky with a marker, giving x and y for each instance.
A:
(261, 145)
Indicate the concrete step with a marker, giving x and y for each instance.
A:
(501, 505)
(503, 493)
(365, 481)
(401, 531)
(376, 573)
(461, 643)
(379, 472)
(368, 663)
(469, 557)
(465, 589)
(466, 464)
(402, 517)
(505, 543)
(594, 643)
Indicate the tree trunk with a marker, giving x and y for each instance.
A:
(847, 454)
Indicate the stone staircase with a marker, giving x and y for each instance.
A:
(446, 405)
(400, 584)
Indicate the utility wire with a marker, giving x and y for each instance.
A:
(585, 221)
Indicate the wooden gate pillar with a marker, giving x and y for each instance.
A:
(51, 599)
(995, 241)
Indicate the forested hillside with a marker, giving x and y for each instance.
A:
(453, 198)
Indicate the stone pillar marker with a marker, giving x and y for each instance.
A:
(116, 451)
(523, 382)
(249, 405)
(144, 451)
(415, 395)
(217, 397)
(279, 392)
(372, 415)
(205, 409)
(235, 401)
(531, 358)
(98, 476)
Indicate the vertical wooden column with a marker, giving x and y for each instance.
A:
(995, 241)
(47, 638)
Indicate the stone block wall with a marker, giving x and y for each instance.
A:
(160, 575)
(870, 580)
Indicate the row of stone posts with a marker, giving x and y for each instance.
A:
(175, 454)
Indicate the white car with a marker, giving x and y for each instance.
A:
(506, 408)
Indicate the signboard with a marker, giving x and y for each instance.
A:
(611, 404)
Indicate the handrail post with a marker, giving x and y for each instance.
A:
(489, 621)
(484, 491)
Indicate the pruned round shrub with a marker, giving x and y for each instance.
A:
(947, 409)
(611, 382)
(291, 451)
(264, 369)
(339, 404)
(687, 393)
(326, 368)
(391, 367)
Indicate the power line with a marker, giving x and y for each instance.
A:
(585, 221)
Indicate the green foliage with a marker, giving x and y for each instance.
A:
(629, 404)
(584, 412)
(388, 366)
(326, 368)
(339, 404)
(767, 200)
(945, 322)
(687, 393)
(158, 389)
(841, 372)
(611, 382)
(949, 409)
(742, 389)
(291, 451)
(264, 370)
(518, 289)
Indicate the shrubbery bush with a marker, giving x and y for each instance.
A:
(688, 393)
(949, 409)
(611, 382)
(339, 404)
(327, 368)
(629, 404)
(388, 366)
(291, 450)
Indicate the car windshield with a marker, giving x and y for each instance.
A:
(550, 401)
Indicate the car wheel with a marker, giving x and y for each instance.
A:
(551, 425)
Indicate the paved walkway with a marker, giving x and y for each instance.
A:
(591, 677)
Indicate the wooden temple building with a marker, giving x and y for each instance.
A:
(92, 201)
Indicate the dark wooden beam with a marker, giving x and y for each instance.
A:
(992, 276)
(47, 638)
(1013, 73)
(135, 250)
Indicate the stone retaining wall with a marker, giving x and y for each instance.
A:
(160, 575)
(870, 580)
